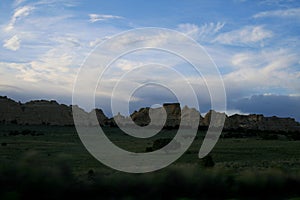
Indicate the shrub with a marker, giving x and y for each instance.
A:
(268, 136)
(207, 161)
(162, 142)
(295, 135)
(149, 149)
(3, 144)
(13, 133)
(14, 121)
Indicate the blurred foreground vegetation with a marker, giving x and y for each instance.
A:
(42, 162)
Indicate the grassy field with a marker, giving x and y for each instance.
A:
(251, 163)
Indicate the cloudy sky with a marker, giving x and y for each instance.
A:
(255, 44)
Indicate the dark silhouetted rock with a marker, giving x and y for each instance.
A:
(52, 113)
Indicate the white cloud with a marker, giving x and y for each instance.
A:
(292, 12)
(260, 71)
(13, 43)
(53, 46)
(97, 17)
(278, 59)
(127, 65)
(190, 29)
(247, 59)
(203, 32)
(54, 66)
(28, 81)
(246, 36)
(148, 39)
(230, 112)
(97, 41)
(67, 40)
(51, 68)
(18, 14)
(65, 3)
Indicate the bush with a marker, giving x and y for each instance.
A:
(162, 142)
(207, 161)
(268, 136)
(149, 149)
(294, 135)
(3, 144)
(13, 133)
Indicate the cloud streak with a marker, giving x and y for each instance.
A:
(13, 43)
(247, 35)
(204, 32)
(292, 12)
(96, 17)
(19, 13)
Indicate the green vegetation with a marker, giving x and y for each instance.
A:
(51, 163)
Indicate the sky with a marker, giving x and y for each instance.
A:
(254, 44)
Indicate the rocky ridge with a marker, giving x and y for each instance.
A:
(42, 112)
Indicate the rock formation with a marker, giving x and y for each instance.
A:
(141, 117)
(190, 117)
(173, 111)
(10, 111)
(44, 112)
(259, 122)
(218, 119)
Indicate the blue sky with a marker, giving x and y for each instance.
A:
(255, 44)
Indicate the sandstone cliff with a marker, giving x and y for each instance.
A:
(259, 122)
(42, 112)
(51, 113)
(10, 111)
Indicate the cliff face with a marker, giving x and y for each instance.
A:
(51, 113)
(259, 122)
(10, 111)
(41, 112)
(141, 117)
(173, 111)
(190, 117)
(217, 117)
(45, 112)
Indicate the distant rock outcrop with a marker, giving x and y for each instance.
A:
(218, 119)
(44, 112)
(141, 117)
(10, 111)
(261, 123)
(190, 117)
(173, 111)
